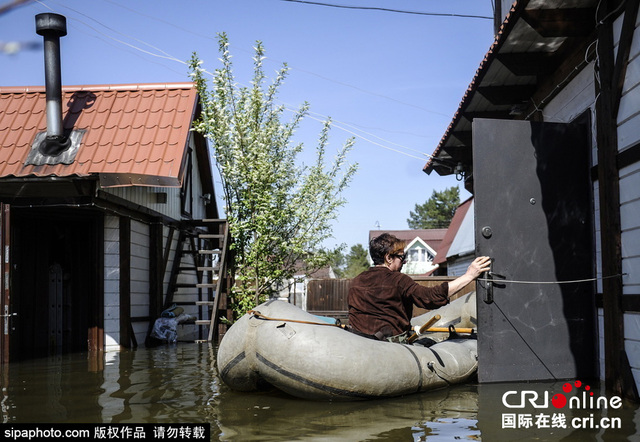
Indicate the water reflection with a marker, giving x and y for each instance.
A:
(270, 416)
(178, 383)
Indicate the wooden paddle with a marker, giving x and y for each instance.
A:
(446, 330)
(424, 328)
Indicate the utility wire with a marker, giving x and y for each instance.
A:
(167, 56)
(574, 281)
(294, 68)
(372, 8)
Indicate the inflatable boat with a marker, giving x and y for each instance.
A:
(279, 345)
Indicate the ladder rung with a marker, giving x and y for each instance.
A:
(210, 235)
(206, 286)
(210, 303)
(208, 269)
(209, 252)
(203, 322)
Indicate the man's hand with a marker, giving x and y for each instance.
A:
(479, 265)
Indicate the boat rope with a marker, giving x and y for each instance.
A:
(259, 315)
(432, 367)
(575, 281)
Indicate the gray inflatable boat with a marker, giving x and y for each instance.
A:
(282, 346)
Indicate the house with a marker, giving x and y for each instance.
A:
(457, 249)
(104, 195)
(546, 137)
(420, 245)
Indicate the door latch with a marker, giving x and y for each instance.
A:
(488, 296)
(6, 317)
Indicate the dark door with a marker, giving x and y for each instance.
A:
(533, 209)
(5, 295)
(56, 281)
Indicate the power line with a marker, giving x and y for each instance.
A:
(295, 68)
(372, 8)
(12, 5)
(164, 55)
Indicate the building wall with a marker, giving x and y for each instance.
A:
(628, 136)
(111, 282)
(146, 196)
(575, 98)
(140, 285)
(139, 278)
(140, 259)
(458, 266)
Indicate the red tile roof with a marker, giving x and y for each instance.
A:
(135, 134)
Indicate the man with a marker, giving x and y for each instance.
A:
(381, 299)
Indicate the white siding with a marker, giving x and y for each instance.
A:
(628, 121)
(459, 266)
(632, 343)
(629, 135)
(111, 283)
(629, 111)
(139, 277)
(146, 197)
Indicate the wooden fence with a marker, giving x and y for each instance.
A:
(328, 297)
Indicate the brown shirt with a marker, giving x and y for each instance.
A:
(381, 300)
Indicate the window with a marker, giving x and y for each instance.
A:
(186, 193)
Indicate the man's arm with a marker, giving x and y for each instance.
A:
(479, 265)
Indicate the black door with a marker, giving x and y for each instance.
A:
(56, 280)
(533, 211)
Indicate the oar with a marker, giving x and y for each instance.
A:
(445, 329)
(424, 328)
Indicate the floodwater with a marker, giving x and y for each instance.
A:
(179, 384)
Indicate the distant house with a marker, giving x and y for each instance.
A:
(457, 248)
(93, 235)
(420, 245)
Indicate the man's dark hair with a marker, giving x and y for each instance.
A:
(383, 244)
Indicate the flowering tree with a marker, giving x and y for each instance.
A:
(279, 210)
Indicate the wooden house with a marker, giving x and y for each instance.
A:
(547, 137)
(108, 213)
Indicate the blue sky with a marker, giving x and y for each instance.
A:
(394, 80)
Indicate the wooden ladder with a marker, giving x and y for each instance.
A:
(198, 273)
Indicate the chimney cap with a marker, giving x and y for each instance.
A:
(49, 23)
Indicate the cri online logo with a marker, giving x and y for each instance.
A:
(584, 401)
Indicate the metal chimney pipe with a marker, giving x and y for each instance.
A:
(52, 27)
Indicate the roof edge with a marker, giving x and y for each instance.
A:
(505, 29)
(99, 87)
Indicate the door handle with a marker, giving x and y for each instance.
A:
(488, 296)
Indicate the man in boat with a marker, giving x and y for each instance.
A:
(381, 299)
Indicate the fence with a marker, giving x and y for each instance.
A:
(328, 297)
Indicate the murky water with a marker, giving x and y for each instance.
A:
(179, 384)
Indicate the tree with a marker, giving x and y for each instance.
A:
(279, 211)
(437, 211)
(356, 261)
